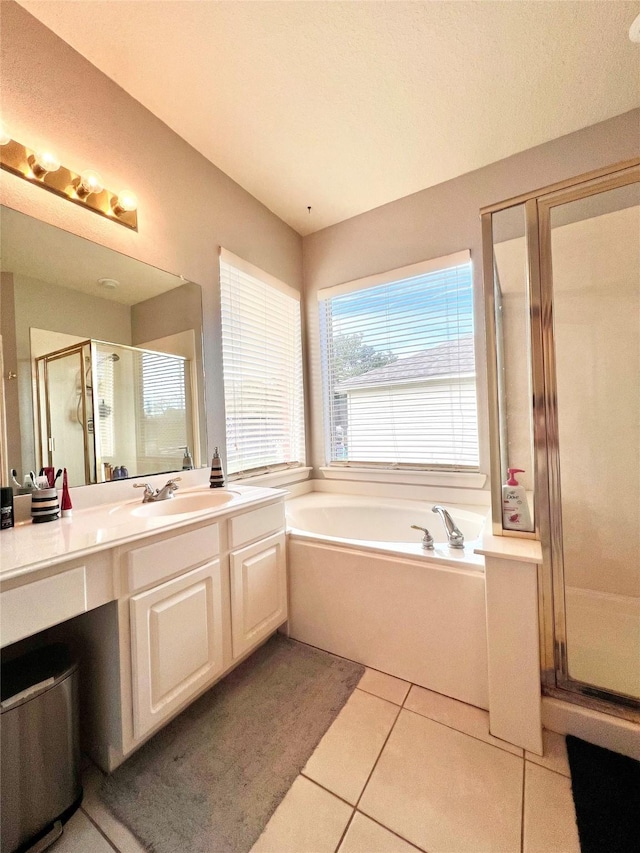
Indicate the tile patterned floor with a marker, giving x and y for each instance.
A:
(401, 770)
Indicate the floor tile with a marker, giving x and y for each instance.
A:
(555, 753)
(385, 686)
(308, 819)
(444, 791)
(366, 836)
(549, 815)
(345, 756)
(458, 715)
(115, 831)
(79, 836)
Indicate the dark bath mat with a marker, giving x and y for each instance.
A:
(606, 795)
(210, 780)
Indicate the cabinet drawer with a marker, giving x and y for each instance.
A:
(153, 563)
(176, 643)
(35, 606)
(255, 524)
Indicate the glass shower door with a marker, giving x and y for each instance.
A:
(65, 413)
(590, 275)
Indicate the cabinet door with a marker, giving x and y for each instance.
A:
(176, 643)
(258, 592)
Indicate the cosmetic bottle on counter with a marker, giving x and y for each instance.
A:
(66, 507)
(6, 507)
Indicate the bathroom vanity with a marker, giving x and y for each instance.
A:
(158, 604)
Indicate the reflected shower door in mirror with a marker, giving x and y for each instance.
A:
(591, 277)
(61, 295)
(510, 356)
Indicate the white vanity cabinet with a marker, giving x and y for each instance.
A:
(196, 606)
(258, 592)
(176, 644)
(155, 619)
(258, 576)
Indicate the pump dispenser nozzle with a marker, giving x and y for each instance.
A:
(187, 460)
(511, 481)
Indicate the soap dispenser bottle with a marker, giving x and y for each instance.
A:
(216, 480)
(515, 509)
(187, 460)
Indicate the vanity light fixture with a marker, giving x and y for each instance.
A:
(43, 163)
(86, 189)
(88, 183)
(124, 202)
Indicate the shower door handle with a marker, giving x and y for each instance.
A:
(52, 445)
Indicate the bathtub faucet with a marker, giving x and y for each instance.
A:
(455, 537)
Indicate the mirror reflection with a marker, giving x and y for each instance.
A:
(102, 358)
(513, 351)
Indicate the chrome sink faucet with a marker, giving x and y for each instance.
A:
(151, 495)
(455, 536)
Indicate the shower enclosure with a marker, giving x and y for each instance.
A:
(105, 410)
(562, 288)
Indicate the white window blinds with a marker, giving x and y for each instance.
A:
(262, 362)
(399, 369)
(163, 422)
(106, 402)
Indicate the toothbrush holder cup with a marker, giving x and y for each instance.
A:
(44, 505)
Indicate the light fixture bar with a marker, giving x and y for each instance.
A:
(32, 166)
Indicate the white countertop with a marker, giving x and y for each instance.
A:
(28, 547)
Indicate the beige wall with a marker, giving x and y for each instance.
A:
(53, 97)
(441, 220)
(10, 365)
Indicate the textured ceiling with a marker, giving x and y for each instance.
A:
(345, 106)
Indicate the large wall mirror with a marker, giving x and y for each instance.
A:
(102, 355)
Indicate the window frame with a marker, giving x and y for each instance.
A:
(367, 469)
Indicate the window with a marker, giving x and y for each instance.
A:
(163, 416)
(262, 362)
(399, 368)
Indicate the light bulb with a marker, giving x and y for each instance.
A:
(43, 162)
(5, 139)
(90, 182)
(124, 202)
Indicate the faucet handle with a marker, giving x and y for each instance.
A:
(427, 539)
(174, 480)
(148, 490)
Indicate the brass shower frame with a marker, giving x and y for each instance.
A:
(547, 498)
(45, 359)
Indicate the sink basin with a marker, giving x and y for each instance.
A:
(180, 504)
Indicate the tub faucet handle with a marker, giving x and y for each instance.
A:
(427, 539)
